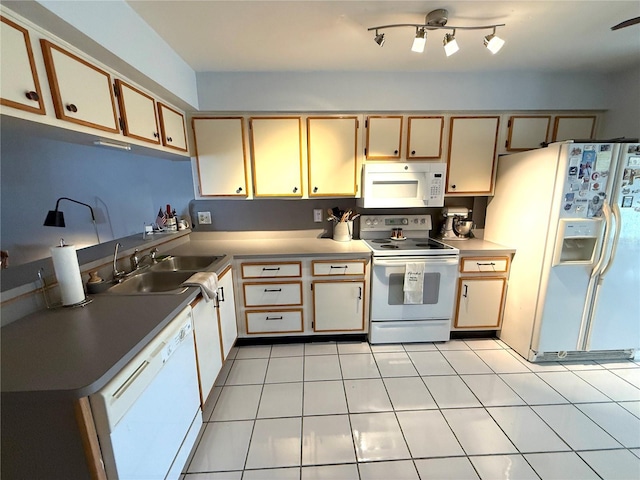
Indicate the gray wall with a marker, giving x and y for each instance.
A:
(623, 117)
(125, 189)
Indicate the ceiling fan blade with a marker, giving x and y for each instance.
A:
(626, 23)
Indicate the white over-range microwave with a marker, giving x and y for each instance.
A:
(403, 185)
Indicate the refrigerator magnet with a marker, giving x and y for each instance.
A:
(627, 201)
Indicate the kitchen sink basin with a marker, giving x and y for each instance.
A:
(176, 263)
(150, 282)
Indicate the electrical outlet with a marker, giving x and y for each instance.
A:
(317, 215)
(204, 218)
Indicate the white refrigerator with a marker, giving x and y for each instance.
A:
(572, 212)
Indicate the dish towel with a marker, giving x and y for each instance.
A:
(208, 283)
(413, 283)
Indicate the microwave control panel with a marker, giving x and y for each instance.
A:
(435, 185)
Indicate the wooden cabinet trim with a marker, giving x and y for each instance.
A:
(363, 299)
(419, 157)
(47, 47)
(244, 156)
(89, 437)
(362, 261)
(249, 332)
(384, 157)
(461, 280)
(556, 124)
(253, 163)
(40, 109)
(481, 259)
(510, 126)
(123, 111)
(163, 128)
(267, 264)
(264, 284)
(355, 157)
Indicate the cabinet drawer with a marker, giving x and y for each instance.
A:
(271, 270)
(274, 321)
(338, 267)
(484, 264)
(258, 294)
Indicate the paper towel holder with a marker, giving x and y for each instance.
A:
(47, 302)
(55, 218)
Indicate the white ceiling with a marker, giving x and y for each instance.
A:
(219, 36)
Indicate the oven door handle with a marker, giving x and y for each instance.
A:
(430, 260)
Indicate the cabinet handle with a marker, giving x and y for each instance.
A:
(32, 96)
(334, 266)
(155, 134)
(239, 190)
(413, 152)
(465, 291)
(359, 293)
(270, 269)
(272, 289)
(273, 318)
(315, 189)
(490, 264)
(169, 139)
(295, 189)
(453, 186)
(395, 152)
(221, 294)
(72, 108)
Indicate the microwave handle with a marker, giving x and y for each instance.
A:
(394, 262)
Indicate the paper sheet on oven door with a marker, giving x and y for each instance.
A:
(413, 283)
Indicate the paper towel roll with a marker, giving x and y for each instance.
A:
(65, 264)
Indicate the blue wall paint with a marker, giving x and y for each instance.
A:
(125, 189)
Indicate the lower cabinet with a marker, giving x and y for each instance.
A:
(338, 305)
(208, 349)
(226, 312)
(482, 287)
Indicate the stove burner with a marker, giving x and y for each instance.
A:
(389, 245)
(380, 240)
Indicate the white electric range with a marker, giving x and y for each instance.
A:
(399, 243)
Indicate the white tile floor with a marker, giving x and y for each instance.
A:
(457, 410)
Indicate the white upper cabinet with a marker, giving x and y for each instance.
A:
(81, 91)
(174, 133)
(424, 137)
(138, 113)
(332, 155)
(276, 156)
(527, 132)
(472, 155)
(19, 83)
(384, 137)
(574, 127)
(220, 155)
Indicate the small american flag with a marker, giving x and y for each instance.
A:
(162, 219)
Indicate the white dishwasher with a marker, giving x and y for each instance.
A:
(148, 416)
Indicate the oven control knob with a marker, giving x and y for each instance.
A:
(415, 220)
(375, 221)
(405, 221)
(368, 222)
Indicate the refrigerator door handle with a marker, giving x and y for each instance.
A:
(606, 210)
(616, 240)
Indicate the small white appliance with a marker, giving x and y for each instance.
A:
(403, 185)
(572, 212)
(148, 416)
(401, 243)
(457, 224)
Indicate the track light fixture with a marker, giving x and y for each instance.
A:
(437, 20)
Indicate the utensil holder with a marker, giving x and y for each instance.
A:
(343, 231)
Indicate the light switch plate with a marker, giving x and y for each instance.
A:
(204, 218)
(317, 215)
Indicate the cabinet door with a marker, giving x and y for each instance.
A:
(578, 127)
(81, 92)
(332, 154)
(220, 156)
(207, 338)
(276, 156)
(480, 302)
(338, 305)
(424, 137)
(138, 111)
(472, 153)
(527, 132)
(19, 84)
(226, 313)
(172, 126)
(384, 135)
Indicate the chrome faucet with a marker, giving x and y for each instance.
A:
(117, 275)
(136, 261)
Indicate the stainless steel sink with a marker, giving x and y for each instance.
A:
(150, 282)
(176, 263)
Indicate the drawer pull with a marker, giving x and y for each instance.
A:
(360, 293)
(272, 289)
(490, 264)
(465, 291)
(273, 318)
(344, 266)
(265, 269)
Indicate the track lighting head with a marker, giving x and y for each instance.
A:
(493, 42)
(450, 44)
(419, 41)
(379, 38)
